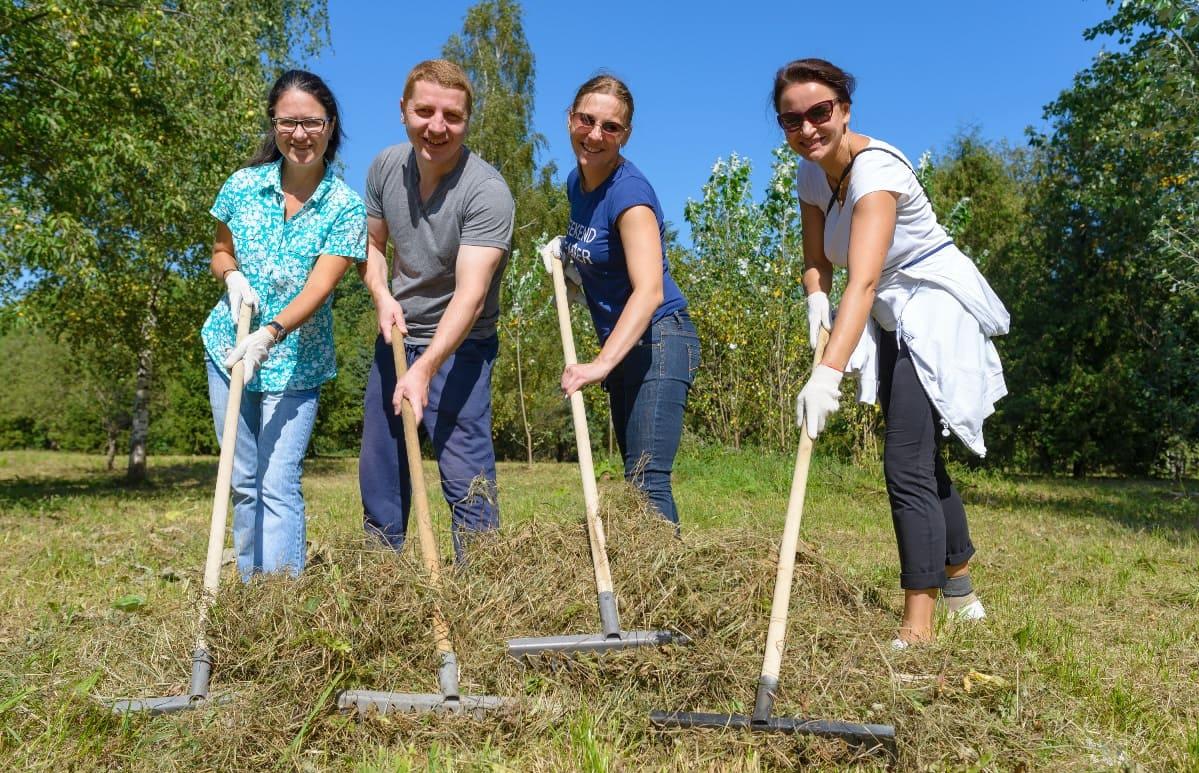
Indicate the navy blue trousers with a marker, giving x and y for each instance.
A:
(457, 420)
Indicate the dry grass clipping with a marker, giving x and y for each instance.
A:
(360, 617)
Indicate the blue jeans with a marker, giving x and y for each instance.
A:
(457, 420)
(648, 392)
(268, 506)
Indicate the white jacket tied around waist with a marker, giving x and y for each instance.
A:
(941, 306)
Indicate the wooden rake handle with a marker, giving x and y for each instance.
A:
(420, 494)
(224, 475)
(595, 527)
(224, 484)
(776, 635)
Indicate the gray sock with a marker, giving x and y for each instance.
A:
(957, 586)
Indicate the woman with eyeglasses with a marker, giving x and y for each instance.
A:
(915, 322)
(288, 229)
(616, 240)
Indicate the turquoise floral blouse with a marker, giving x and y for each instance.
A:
(276, 257)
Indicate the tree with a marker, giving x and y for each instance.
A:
(745, 292)
(119, 122)
(493, 50)
(1102, 362)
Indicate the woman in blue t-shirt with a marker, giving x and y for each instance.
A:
(649, 349)
(288, 229)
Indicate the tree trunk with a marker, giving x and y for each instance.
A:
(110, 450)
(524, 416)
(136, 473)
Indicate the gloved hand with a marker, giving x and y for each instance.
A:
(239, 292)
(552, 250)
(253, 350)
(818, 314)
(819, 399)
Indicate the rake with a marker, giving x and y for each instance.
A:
(197, 694)
(450, 700)
(611, 637)
(762, 719)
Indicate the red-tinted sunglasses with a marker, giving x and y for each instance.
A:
(587, 121)
(817, 114)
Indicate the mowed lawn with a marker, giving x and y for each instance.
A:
(1091, 589)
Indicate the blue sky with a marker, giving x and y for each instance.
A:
(701, 71)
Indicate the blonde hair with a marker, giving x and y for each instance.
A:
(445, 74)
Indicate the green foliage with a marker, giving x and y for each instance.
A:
(1101, 362)
(53, 398)
(744, 287)
(355, 326)
(529, 415)
(120, 120)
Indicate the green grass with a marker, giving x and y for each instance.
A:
(1091, 589)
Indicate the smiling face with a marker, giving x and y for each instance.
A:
(301, 147)
(436, 120)
(814, 143)
(598, 151)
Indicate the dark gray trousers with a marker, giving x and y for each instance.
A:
(930, 521)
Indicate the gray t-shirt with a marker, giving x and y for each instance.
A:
(471, 206)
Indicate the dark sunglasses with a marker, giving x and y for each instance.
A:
(817, 114)
(587, 121)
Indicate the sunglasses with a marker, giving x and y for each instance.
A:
(587, 121)
(817, 114)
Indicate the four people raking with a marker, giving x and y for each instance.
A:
(915, 320)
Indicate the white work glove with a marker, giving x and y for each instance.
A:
(818, 399)
(239, 292)
(552, 250)
(253, 350)
(818, 314)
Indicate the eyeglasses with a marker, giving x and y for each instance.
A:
(817, 115)
(310, 125)
(587, 121)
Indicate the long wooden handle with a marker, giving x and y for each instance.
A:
(420, 495)
(595, 527)
(224, 480)
(775, 636)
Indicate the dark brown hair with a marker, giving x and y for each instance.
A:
(813, 70)
(610, 85)
(313, 86)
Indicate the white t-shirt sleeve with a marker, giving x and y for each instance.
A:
(810, 185)
(875, 170)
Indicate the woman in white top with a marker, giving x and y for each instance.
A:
(915, 322)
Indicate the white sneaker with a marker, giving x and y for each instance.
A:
(899, 645)
(965, 608)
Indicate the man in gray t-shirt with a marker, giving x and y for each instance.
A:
(449, 217)
(470, 206)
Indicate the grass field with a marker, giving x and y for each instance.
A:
(1089, 659)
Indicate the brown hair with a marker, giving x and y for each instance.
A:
(445, 74)
(610, 85)
(813, 70)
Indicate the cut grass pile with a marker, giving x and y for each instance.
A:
(1059, 676)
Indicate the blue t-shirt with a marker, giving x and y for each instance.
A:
(593, 242)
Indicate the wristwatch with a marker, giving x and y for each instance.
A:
(280, 332)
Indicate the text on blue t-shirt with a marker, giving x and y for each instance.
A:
(593, 242)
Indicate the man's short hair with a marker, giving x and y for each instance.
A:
(445, 74)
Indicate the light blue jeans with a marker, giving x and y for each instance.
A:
(268, 506)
